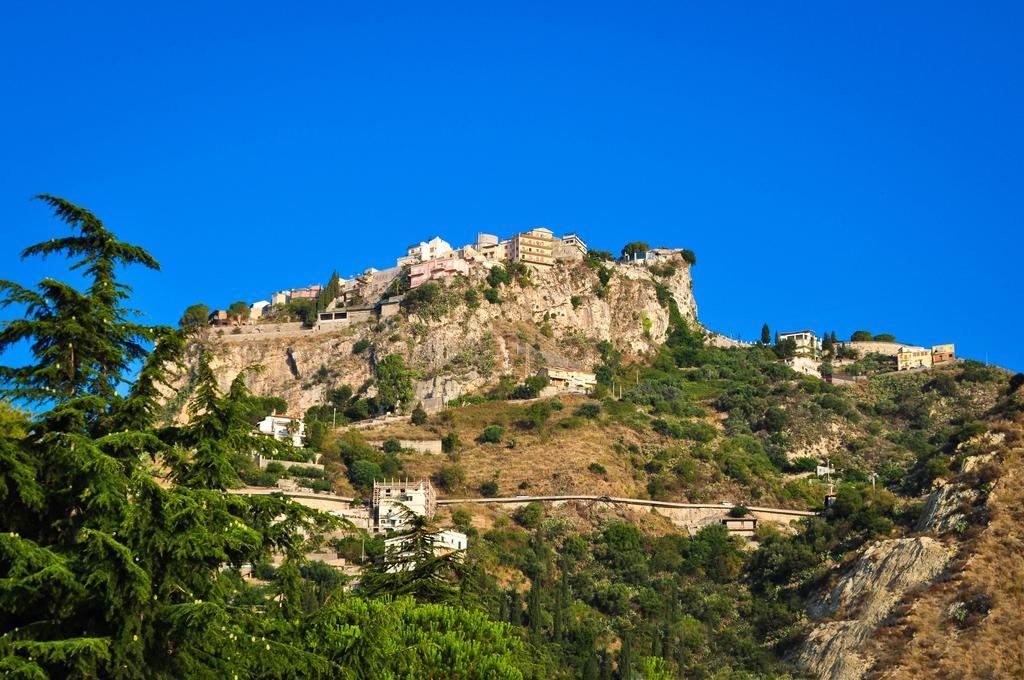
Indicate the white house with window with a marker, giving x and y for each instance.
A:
(283, 428)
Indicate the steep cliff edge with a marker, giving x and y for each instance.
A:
(944, 602)
(461, 342)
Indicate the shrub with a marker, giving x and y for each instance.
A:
(360, 346)
(450, 477)
(450, 442)
(362, 473)
(861, 336)
(492, 434)
(803, 464)
(462, 519)
(689, 256)
(472, 298)
(492, 296)
(529, 516)
(391, 445)
(576, 301)
(419, 416)
(588, 410)
(274, 468)
(421, 297)
(489, 489)
(597, 469)
(739, 511)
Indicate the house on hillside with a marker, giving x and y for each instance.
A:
(444, 542)
(281, 297)
(943, 353)
(571, 380)
(436, 270)
(807, 343)
(648, 256)
(536, 247)
(488, 248)
(392, 499)
(283, 428)
(908, 357)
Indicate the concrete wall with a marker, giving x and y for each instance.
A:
(428, 446)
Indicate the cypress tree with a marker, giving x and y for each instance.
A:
(766, 335)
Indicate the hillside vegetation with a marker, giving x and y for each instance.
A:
(124, 553)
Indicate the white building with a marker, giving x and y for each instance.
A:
(283, 428)
(433, 249)
(807, 343)
(281, 297)
(258, 309)
(393, 499)
(570, 248)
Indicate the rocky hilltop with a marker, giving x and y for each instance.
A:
(460, 342)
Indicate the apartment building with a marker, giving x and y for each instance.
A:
(392, 499)
(943, 353)
(536, 247)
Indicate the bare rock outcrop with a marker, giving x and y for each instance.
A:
(559, 316)
(849, 613)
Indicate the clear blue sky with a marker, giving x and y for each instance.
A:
(833, 165)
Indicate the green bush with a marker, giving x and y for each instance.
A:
(588, 410)
(360, 345)
(597, 469)
(419, 415)
(489, 489)
(450, 442)
(391, 445)
(492, 295)
(362, 473)
(450, 477)
(492, 434)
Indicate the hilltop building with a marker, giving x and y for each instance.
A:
(536, 247)
(258, 309)
(283, 428)
(307, 293)
(570, 248)
(649, 256)
(281, 297)
(436, 270)
(908, 357)
(431, 250)
(807, 343)
(943, 353)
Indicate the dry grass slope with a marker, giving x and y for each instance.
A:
(945, 631)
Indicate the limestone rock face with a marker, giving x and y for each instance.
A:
(850, 612)
(455, 348)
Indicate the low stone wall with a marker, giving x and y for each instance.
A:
(428, 446)
(287, 464)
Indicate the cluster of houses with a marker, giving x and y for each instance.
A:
(361, 296)
(908, 357)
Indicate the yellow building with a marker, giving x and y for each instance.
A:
(570, 379)
(913, 357)
(536, 246)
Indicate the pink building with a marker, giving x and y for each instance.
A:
(435, 270)
(309, 292)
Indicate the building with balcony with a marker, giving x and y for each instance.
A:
(536, 247)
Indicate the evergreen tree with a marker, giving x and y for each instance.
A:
(106, 571)
(766, 335)
(626, 656)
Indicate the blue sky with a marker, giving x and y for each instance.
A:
(833, 165)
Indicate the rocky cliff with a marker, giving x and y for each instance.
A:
(944, 601)
(460, 342)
